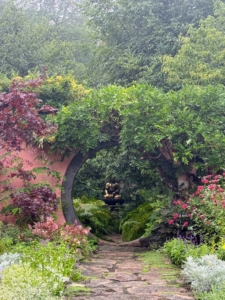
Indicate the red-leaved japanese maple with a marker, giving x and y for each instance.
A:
(33, 204)
(20, 124)
(20, 121)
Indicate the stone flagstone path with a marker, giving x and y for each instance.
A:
(118, 273)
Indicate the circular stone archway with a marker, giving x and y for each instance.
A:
(67, 184)
(71, 172)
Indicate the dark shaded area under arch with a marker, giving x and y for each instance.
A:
(72, 170)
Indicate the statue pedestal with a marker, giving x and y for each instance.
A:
(113, 202)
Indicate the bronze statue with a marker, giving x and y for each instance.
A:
(112, 190)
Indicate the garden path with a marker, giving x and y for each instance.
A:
(128, 273)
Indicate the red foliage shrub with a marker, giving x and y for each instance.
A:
(30, 206)
(46, 229)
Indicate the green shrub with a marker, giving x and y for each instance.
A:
(5, 83)
(220, 250)
(93, 213)
(10, 231)
(22, 282)
(55, 262)
(198, 251)
(5, 245)
(217, 293)
(178, 250)
(134, 224)
(57, 91)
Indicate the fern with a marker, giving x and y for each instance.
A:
(93, 213)
(134, 224)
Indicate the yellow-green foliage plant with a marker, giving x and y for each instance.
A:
(61, 90)
(21, 282)
(55, 90)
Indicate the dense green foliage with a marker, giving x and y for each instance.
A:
(182, 125)
(134, 224)
(61, 90)
(42, 34)
(126, 167)
(200, 59)
(94, 214)
(133, 36)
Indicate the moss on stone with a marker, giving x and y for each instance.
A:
(76, 290)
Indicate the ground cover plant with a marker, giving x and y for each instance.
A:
(204, 272)
(217, 293)
(41, 265)
(202, 266)
(179, 250)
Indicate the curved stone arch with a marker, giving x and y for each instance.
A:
(71, 172)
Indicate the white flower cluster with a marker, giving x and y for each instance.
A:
(204, 272)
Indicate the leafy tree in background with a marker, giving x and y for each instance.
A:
(32, 40)
(69, 24)
(132, 36)
(201, 57)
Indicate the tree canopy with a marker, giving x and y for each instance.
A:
(132, 36)
(201, 57)
(181, 126)
(37, 35)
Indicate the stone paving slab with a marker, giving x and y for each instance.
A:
(121, 276)
(118, 275)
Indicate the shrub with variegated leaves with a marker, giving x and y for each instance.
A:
(46, 229)
(75, 235)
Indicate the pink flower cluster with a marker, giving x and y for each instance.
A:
(73, 234)
(209, 199)
(183, 206)
(180, 203)
(205, 204)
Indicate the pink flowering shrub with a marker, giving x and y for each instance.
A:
(203, 212)
(74, 235)
(181, 215)
(207, 205)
